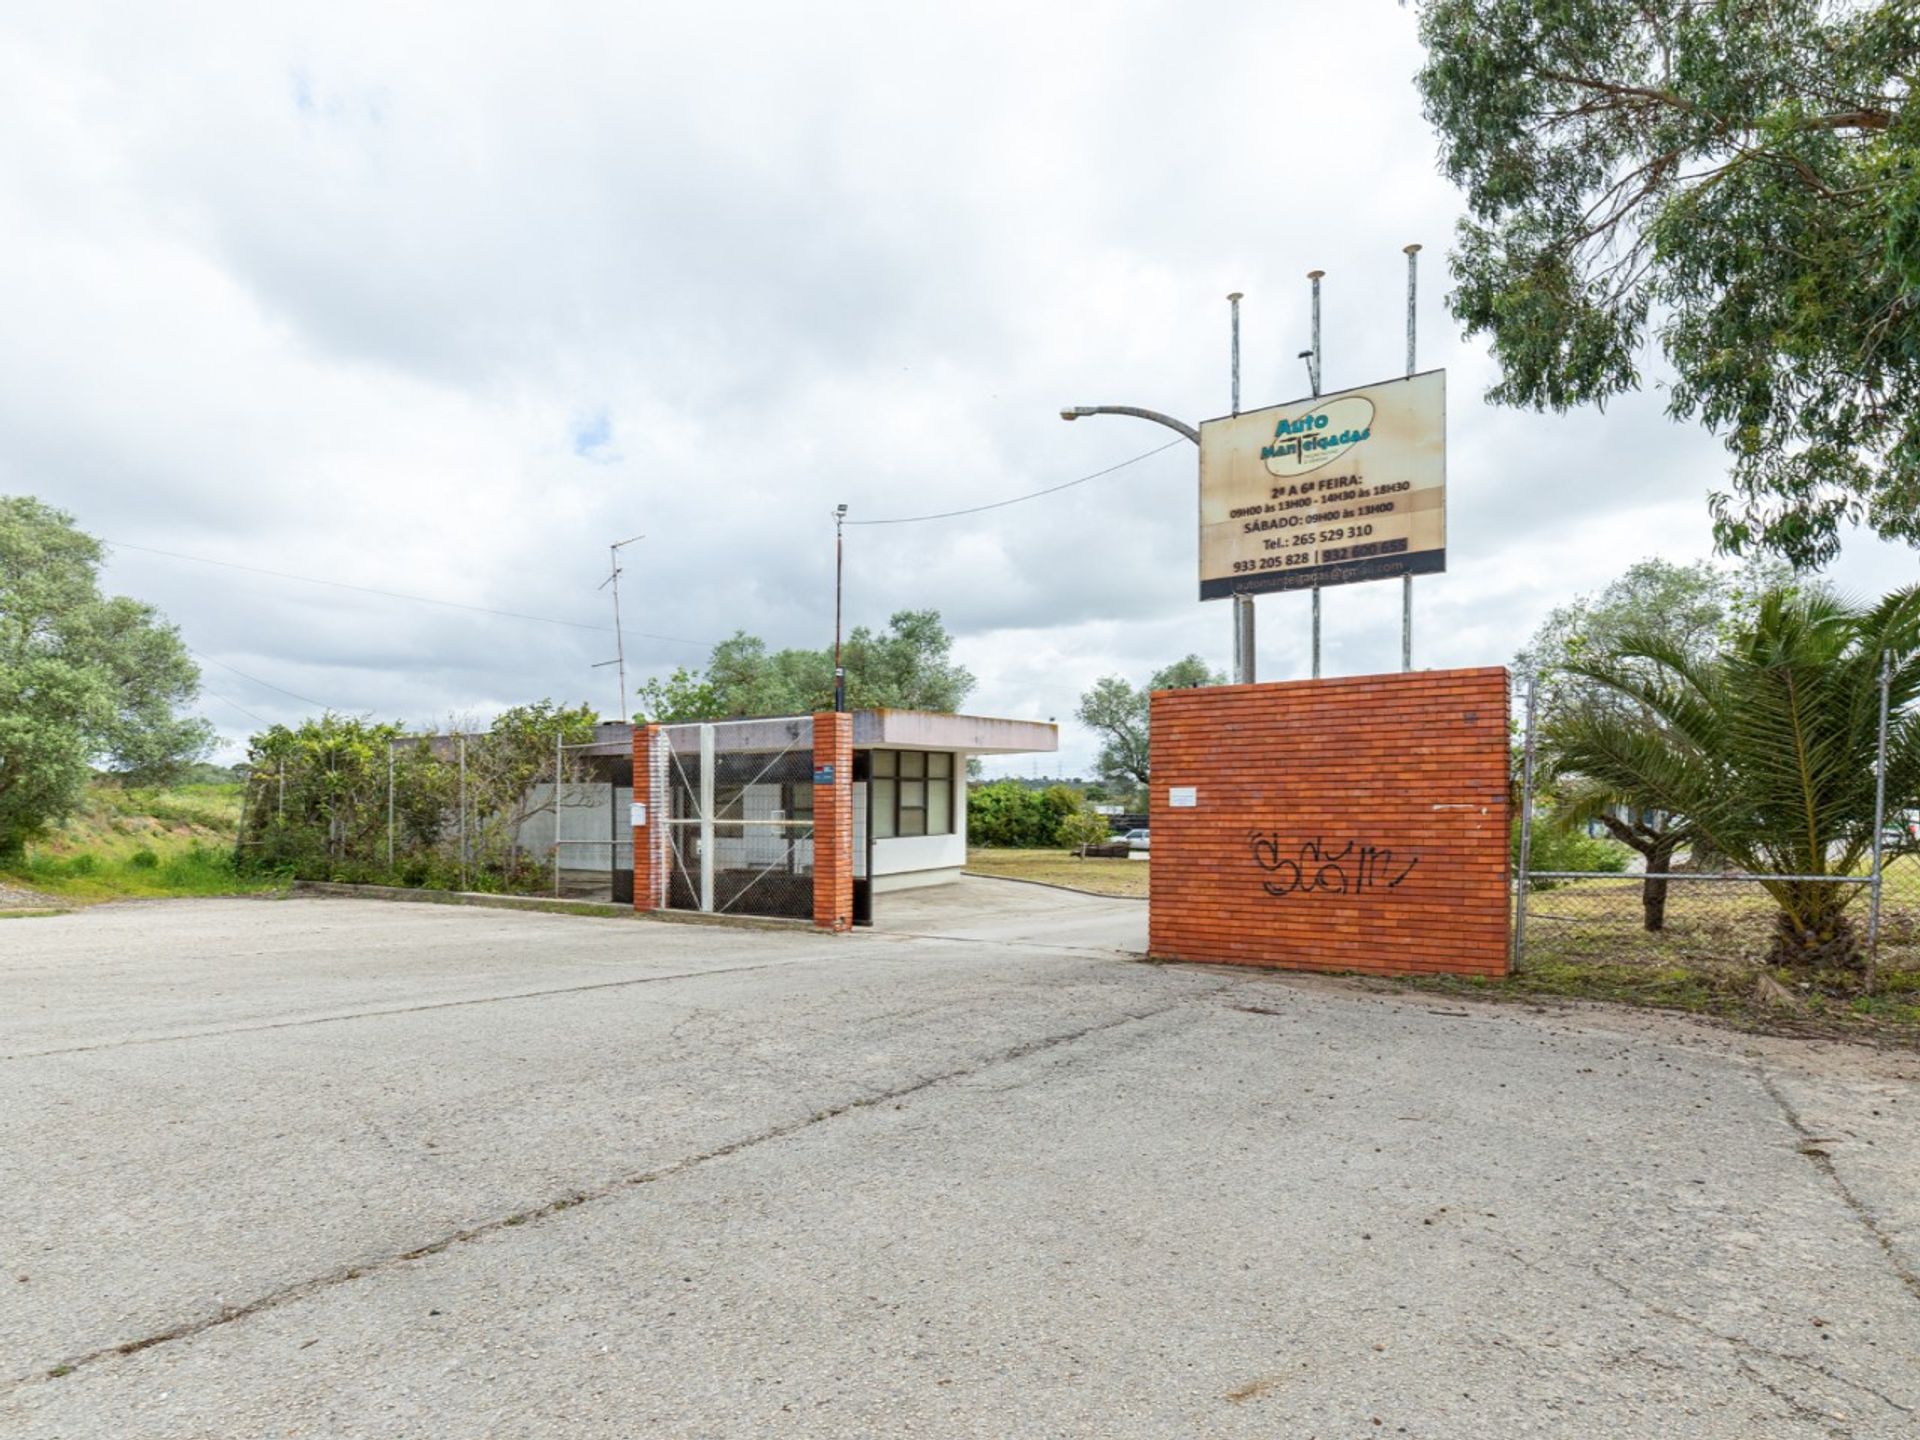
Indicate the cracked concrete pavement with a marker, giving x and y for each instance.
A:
(345, 1168)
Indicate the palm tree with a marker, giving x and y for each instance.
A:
(1764, 750)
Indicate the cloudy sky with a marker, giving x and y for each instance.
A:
(440, 299)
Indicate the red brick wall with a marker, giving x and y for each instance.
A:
(650, 840)
(1355, 824)
(833, 823)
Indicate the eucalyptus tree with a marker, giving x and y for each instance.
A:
(1739, 179)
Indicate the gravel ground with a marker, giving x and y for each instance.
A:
(343, 1168)
(18, 897)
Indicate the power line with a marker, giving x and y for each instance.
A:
(304, 699)
(1017, 499)
(231, 705)
(395, 594)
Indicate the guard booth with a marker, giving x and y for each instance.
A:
(804, 816)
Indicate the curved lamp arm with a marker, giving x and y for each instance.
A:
(1154, 415)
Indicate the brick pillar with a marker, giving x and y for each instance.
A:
(650, 839)
(833, 821)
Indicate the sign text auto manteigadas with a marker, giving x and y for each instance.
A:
(1326, 491)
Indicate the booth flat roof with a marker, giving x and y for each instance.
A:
(931, 730)
(883, 729)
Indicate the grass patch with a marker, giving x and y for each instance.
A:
(1058, 867)
(195, 869)
(142, 843)
(1824, 1004)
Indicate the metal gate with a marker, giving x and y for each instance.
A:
(739, 817)
(592, 845)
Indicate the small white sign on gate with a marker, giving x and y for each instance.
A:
(637, 815)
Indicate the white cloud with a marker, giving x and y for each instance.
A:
(443, 298)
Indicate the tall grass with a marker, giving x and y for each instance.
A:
(194, 870)
(140, 842)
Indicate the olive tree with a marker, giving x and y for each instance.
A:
(85, 679)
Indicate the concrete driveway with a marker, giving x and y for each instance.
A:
(343, 1168)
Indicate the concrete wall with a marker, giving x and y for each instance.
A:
(1356, 824)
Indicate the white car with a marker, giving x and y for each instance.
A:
(1137, 839)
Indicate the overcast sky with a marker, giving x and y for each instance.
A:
(443, 298)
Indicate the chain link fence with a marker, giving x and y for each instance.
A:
(1683, 908)
(367, 804)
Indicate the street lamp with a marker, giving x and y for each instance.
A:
(1181, 427)
(1242, 604)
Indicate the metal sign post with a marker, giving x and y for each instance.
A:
(1243, 633)
(1406, 581)
(1313, 376)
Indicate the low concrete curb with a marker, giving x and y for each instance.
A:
(596, 909)
(1050, 885)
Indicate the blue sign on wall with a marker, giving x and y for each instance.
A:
(823, 775)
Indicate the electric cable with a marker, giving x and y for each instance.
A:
(290, 694)
(397, 594)
(1017, 499)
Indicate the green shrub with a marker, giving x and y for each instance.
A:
(144, 859)
(1008, 813)
(1083, 827)
(1556, 849)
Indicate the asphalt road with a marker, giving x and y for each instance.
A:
(342, 1168)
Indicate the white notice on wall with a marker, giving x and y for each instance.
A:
(637, 816)
(1183, 797)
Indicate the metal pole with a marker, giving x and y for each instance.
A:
(1243, 615)
(1313, 377)
(1313, 370)
(1526, 828)
(839, 570)
(706, 819)
(559, 760)
(619, 642)
(1234, 301)
(1879, 825)
(389, 806)
(620, 711)
(1406, 581)
(463, 812)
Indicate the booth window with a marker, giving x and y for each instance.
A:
(912, 793)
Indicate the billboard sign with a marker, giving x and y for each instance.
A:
(1330, 490)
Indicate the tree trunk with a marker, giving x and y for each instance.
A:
(1653, 893)
(1819, 937)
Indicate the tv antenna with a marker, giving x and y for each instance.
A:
(619, 640)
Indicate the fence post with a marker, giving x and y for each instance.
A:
(559, 759)
(706, 819)
(1879, 826)
(389, 807)
(240, 835)
(1526, 827)
(463, 812)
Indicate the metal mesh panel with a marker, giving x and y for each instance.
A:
(739, 818)
(591, 839)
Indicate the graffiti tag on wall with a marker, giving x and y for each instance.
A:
(1316, 868)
